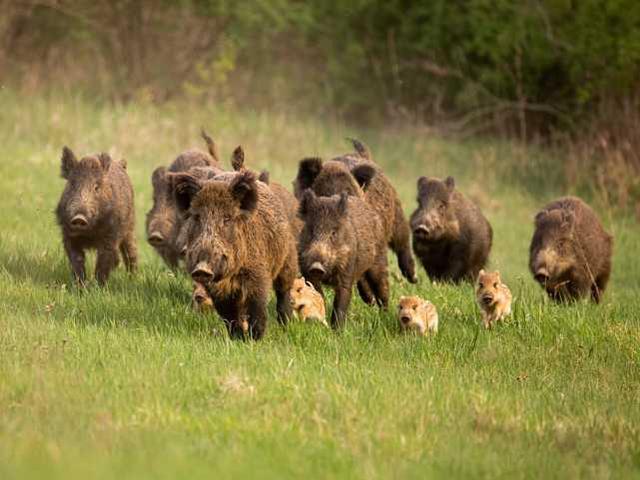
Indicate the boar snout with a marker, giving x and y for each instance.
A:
(421, 230)
(542, 275)
(487, 299)
(202, 273)
(317, 269)
(405, 319)
(156, 239)
(79, 221)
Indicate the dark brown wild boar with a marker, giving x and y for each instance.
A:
(341, 243)
(96, 212)
(451, 237)
(357, 174)
(570, 253)
(163, 222)
(239, 244)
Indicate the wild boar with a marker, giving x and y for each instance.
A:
(357, 174)
(163, 222)
(341, 242)
(307, 302)
(451, 237)
(493, 297)
(417, 315)
(570, 253)
(239, 244)
(96, 211)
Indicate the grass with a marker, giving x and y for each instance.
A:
(128, 381)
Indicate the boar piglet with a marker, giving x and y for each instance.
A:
(96, 212)
(342, 241)
(451, 237)
(570, 253)
(163, 222)
(239, 245)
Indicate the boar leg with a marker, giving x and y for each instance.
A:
(379, 281)
(229, 312)
(282, 285)
(129, 253)
(341, 303)
(257, 313)
(401, 245)
(107, 261)
(365, 291)
(598, 288)
(76, 258)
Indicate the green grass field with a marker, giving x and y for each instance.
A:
(128, 381)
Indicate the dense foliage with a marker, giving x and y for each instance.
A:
(528, 64)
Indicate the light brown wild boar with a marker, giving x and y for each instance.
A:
(163, 222)
(570, 253)
(493, 297)
(342, 242)
(417, 315)
(307, 302)
(96, 211)
(239, 246)
(358, 175)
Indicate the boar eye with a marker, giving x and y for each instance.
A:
(96, 187)
(196, 217)
(495, 285)
(442, 207)
(334, 234)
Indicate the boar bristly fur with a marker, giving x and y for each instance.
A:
(342, 242)
(239, 245)
(96, 211)
(451, 237)
(570, 253)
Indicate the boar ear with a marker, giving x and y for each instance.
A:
(540, 216)
(364, 174)
(105, 161)
(306, 202)
(308, 171)
(360, 148)
(343, 203)
(264, 177)
(237, 159)
(422, 184)
(158, 176)
(123, 163)
(245, 191)
(450, 183)
(68, 162)
(212, 148)
(185, 187)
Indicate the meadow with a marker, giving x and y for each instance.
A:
(129, 381)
